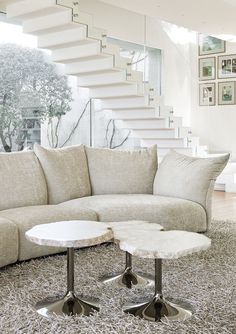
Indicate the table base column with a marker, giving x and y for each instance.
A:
(158, 309)
(128, 277)
(69, 304)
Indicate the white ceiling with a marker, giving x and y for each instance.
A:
(213, 17)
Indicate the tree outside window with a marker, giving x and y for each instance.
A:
(31, 91)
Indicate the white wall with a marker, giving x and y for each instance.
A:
(215, 125)
(175, 43)
(129, 26)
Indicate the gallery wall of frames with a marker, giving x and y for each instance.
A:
(217, 72)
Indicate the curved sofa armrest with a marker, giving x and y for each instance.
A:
(9, 244)
(189, 178)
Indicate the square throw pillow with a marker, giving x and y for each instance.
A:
(122, 172)
(22, 182)
(66, 172)
(188, 177)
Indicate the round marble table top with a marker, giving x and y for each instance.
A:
(132, 229)
(164, 244)
(74, 233)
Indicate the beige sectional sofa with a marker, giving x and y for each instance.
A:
(81, 183)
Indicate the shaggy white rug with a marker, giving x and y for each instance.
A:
(205, 280)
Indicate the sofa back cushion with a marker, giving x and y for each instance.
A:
(122, 172)
(189, 178)
(22, 181)
(66, 172)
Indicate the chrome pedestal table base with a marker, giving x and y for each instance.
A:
(70, 304)
(128, 278)
(158, 308)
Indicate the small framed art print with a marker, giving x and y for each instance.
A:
(209, 45)
(207, 94)
(227, 66)
(207, 68)
(226, 93)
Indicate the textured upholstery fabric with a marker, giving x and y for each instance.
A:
(171, 213)
(122, 172)
(8, 242)
(27, 217)
(22, 182)
(66, 172)
(189, 178)
(209, 202)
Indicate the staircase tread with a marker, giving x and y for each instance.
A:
(65, 27)
(157, 129)
(82, 59)
(45, 31)
(90, 59)
(130, 108)
(50, 13)
(146, 119)
(87, 75)
(120, 84)
(117, 85)
(112, 70)
(82, 42)
(157, 138)
(139, 109)
(65, 45)
(37, 13)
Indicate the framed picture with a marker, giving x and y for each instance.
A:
(227, 66)
(226, 93)
(207, 68)
(207, 94)
(210, 45)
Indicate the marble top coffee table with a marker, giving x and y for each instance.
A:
(132, 230)
(158, 246)
(69, 234)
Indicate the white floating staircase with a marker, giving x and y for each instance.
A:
(227, 180)
(69, 33)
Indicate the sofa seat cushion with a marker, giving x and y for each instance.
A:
(171, 213)
(27, 217)
(8, 242)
